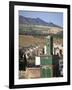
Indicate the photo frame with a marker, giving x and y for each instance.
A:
(39, 44)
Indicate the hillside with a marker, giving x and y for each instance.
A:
(36, 27)
(36, 21)
(27, 40)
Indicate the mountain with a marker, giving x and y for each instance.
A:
(37, 26)
(35, 21)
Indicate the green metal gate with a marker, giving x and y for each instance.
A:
(46, 72)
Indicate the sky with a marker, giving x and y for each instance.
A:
(54, 17)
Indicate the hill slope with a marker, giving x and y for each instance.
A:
(36, 21)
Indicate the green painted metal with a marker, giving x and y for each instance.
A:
(46, 60)
(49, 72)
(46, 63)
(46, 72)
(42, 72)
(49, 45)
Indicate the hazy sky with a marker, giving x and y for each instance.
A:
(54, 17)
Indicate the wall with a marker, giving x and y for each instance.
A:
(4, 44)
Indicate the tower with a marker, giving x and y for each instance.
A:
(49, 63)
(49, 45)
(46, 64)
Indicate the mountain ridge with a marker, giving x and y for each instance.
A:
(36, 21)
